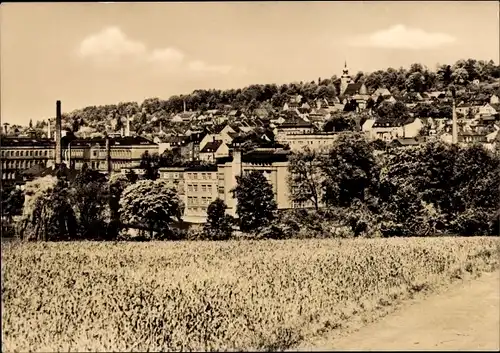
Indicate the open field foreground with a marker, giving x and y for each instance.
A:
(464, 317)
(249, 295)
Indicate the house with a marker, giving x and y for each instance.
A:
(488, 109)
(213, 150)
(467, 108)
(494, 99)
(261, 113)
(407, 142)
(292, 127)
(313, 140)
(471, 137)
(388, 131)
(220, 132)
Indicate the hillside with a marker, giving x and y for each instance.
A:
(473, 79)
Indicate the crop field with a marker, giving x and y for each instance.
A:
(237, 295)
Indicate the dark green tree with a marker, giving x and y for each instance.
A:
(350, 171)
(218, 225)
(255, 201)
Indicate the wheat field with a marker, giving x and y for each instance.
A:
(235, 295)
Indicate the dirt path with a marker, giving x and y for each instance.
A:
(464, 317)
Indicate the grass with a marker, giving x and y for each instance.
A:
(237, 295)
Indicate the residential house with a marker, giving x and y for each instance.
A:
(293, 126)
(488, 109)
(220, 132)
(388, 131)
(314, 140)
(381, 92)
(407, 142)
(467, 109)
(213, 150)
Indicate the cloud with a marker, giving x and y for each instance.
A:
(171, 55)
(200, 66)
(402, 37)
(111, 46)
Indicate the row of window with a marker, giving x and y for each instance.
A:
(18, 164)
(29, 153)
(310, 142)
(201, 201)
(203, 176)
(8, 176)
(196, 188)
(170, 175)
(195, 209)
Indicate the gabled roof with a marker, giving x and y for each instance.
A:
(381, 92)
(25, 141)
(352, 89)
(34, 170)
(495, 106)
(408, 141)
(212, 146)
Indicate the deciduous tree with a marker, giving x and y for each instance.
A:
(255, 201)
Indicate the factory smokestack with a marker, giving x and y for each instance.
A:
(108, 155)
(48, 129)
(127, 130)
(454, 127)
(58, 134)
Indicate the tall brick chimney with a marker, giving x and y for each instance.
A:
(58, 134)
(127, 129)
(108, 155)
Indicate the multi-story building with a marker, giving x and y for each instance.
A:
(20, 154)
(316, 140)
(125, 152)
(200, 185)
(17, 154)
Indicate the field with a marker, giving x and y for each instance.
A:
(248, 295)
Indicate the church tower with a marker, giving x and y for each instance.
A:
(345, 79)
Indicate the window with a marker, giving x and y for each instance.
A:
(176, 175)
(190, 187)
(195, 176)
(204, 188)
(17, 153)
(204, 176)
(195, 187)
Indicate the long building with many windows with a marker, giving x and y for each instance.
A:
(19, 155)
(199, 186)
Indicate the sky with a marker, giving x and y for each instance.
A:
(104, 53)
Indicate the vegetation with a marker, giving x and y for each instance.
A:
(237, 296)
(255, 201)
(151, 204)
(427, 190)
(147, 116)
(219, 224)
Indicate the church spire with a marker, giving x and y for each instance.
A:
(345, 71)
(31, 123)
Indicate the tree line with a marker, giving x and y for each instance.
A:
(354, 188)
(370, 188)
(146, 116)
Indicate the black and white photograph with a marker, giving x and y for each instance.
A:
(250, 176)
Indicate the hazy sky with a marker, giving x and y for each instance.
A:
(98, 53)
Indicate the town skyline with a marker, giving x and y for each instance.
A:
(96, 54)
